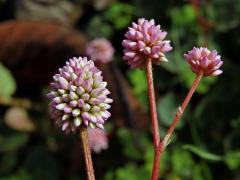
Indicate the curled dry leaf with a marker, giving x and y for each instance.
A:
(18, 119)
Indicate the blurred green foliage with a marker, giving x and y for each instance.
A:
(116, 17)
(139, 89)
(206, 144)
(7, 82)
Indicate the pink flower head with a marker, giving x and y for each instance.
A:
(79, 96)
(145, 40)
(97, 140)
(100, 49)
(204, 61)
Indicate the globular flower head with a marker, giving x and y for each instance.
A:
(204, 61)
(79, 96)
(145, 40)
(100, 49)
(98, 140)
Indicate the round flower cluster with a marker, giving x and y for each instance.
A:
(145, 40)
(204, 61)
(100, 49)
(79, 96)
(97, 140)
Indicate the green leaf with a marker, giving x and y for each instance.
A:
(167, 109)
(98, 27)
(176, 63)
(138, 80)
(232, 159)
(188, 77)
(188, 13)
(109, 175)
(7, 82)
(235, 123)
(131, 171)
(126, 139)
(182, 162)
(182, 15)
(120, 14)
(202, 153)
(21, 175)
(13, 143)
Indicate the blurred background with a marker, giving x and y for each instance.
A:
(38, 36)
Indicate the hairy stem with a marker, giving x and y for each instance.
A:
(154, 120)
(87, 153)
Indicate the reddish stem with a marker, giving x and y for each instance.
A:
(154, 120)
(159, 145)
(181, 110)
(87, 153)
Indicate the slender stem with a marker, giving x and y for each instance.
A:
(154, 120)
(156, 163)
(87, 153)
(152, 103)
(181, 110)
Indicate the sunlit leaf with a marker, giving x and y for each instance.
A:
(232, 159)
(7, 82)
(182, 162)
(131, 171)
(139, 82)
(182, 15)
(120, 14)
(202, 153)
(188, 77)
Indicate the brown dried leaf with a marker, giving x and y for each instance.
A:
(18, 119)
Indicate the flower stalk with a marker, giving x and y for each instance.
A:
(154, 119)
(87, 153)
(159, 145)
(145, 44)
(181, 109)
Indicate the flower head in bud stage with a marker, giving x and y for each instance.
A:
(204, 61)
(145, 40)
(97, 140)
(100, 49)
(79, 96)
